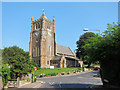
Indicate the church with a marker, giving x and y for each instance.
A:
(43, 48)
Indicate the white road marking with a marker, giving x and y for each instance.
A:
(51, 83)
(60, 85)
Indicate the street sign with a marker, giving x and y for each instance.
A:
(51, 67)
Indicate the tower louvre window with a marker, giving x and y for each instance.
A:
(38, 25)
(48, 27)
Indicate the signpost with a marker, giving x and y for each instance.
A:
(33, 72)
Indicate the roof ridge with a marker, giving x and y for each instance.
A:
(71, 50)
(63, 46)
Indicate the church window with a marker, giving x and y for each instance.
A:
(37, 33)
(38, 25)
(39, 61)
(47, 62)
(37, 51)
(33, 34)
(34, 54)
(48, 27)
(49, 50)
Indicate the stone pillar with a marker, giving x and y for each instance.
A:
(18, 84)
(31, 37)
(54, 36)
(1, 84)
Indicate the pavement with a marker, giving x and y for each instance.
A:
(33, 85)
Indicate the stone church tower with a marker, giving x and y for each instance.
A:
(42, 44)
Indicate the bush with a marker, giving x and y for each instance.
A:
(68, 73)
(53, 74)
(62, 73)
(3, 80)
(34, 79)
(74, 71)
(106, 50)
(28, 79)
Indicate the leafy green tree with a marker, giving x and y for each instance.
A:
(5, 74)
(18, 60)
(106, 50)
(80, 52)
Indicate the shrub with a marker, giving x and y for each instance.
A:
(28, 79)
(62, 73)
(34, 79)
(74, 71)
(53, 74)
(68, 73)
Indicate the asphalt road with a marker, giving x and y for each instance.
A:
(82, 80)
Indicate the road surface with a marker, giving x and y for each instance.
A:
(82, 80)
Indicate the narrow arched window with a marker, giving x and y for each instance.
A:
(49, 50)
(36, 26)
(48, 27)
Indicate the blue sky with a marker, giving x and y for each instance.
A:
(71, 18)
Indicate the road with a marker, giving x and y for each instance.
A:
(82, 80)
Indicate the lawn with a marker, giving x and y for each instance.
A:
(48, 71)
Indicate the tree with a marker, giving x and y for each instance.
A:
(18, 60)
(80, 52)
(106, 50)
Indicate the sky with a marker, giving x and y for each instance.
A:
(70, 20)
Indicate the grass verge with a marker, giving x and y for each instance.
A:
(54, 71)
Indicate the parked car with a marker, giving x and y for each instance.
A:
(96, 68)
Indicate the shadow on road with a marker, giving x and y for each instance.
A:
(73, 85)
(95, 74)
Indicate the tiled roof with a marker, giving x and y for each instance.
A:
(56, 58)
(71, 58)
(68, 58)
(64, 50)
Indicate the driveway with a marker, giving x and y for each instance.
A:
(82, 80)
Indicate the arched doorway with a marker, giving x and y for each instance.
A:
(63, 64)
